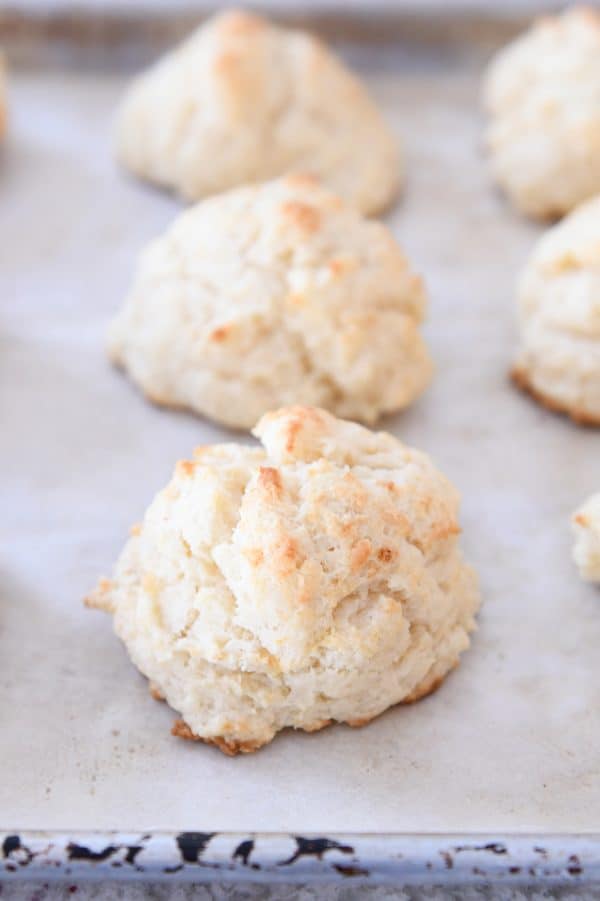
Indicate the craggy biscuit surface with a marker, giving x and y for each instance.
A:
(244, 101)
(559, 310)
(313, 579)
(542, 93)
(270, 295)
(586, 526)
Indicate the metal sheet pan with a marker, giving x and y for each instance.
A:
(501, 765)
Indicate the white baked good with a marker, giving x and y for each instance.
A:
(559, 310)
(315, 579)
(586, 525)
(243, 101)
(274, 294)
(542, 93)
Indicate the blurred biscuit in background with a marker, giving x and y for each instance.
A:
(242, 100)
(558, 360)
(542, 93)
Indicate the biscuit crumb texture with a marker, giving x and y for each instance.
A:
(586, 526)
(559, 317)
(245, 101)
(271, 295)
(314, 579)
(542, 93)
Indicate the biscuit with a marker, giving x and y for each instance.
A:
(586, 526)
(244, 101)
(314, 579)
(275, 294)
(542, 93)
(559, 317)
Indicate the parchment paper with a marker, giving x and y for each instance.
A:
(509, 743)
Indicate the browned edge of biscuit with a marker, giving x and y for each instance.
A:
(230, 747)
(317, 725)
(582, 417)
(155, 692)
(425, 688)
(99, 598)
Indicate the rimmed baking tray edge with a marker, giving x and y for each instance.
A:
(441, 859)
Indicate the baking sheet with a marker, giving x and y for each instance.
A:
(509, 743)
